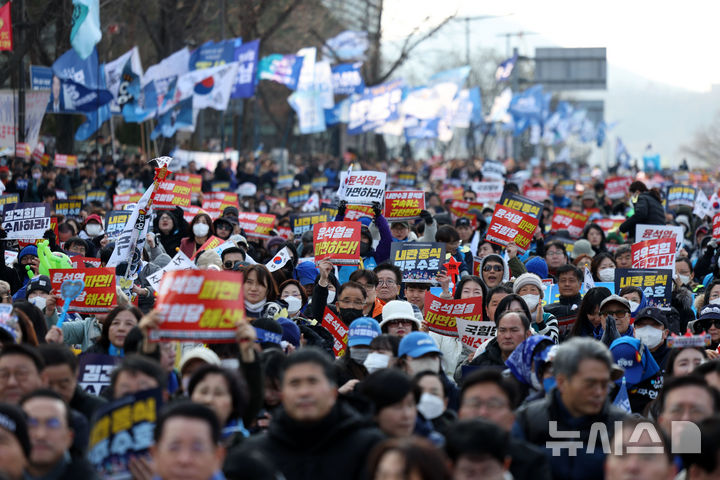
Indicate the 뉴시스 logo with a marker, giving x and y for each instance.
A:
(644, 439)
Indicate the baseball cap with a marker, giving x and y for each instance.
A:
(230, 212)
(199, 353)
(362, 331)
(630, 354)
(306, 273)
(653, 313)
(400, 224)
(417, 344)
(12, 419)
(41, 282)
(615, 298)
(463, 222)
(93, 218)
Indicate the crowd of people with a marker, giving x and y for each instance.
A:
(591, 384)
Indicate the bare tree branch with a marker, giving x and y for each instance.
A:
(151, 32)
(279, 20)
(408, 47)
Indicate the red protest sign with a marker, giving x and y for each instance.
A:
(658, 253)
(65, 161)
(219, 201)
(5, 28)
(610, 223)
(99, 294)
(195, 180)
(338, 242)
(337, 329)
(617, 187)
(190, 212)
(22, 150)
(441, 313)
(210, 243)
(171, 194)
(511, 226)
(461, 209)
(201, 306)
(538, 194)
(716, 226)
(121, 200)
(438, 173)
(403, 204)
(573, 222)
(257, 225)
(451, 193)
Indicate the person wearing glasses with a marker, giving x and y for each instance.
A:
(619, 308)
(389, 280)
(51, 438)
(651, 328)
(493, 271)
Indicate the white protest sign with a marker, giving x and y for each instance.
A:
(362, 187)
(493, 170)
(652, 232)
(26, 220)
(10, 257)
(473, 333)
(488, 192)
(703, 207)
(179, 262)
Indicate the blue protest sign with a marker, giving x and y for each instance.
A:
(247, 57)
(376, 107)
(284, 69)
(212, 54)
(347, 78)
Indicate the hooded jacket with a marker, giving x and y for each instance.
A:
(337, 445)
(171, 241)
(648, 211)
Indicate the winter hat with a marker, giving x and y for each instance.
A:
(274, 242)
(12, 419)
(198, 353)
(538, 266)
(528, 279)
(398, 310)
(41, 282)
(386, 387)
(306, 273)
(582, 247)
(29, 250)
(207, 258)
(614, 237)
(291, 332)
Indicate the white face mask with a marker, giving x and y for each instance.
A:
(359, 354)
(93, 229)
(294, 304)
(200, 229)
(39, 301)
(417, 365)
(633, 306)
(607, 275)
(430, 406)
(715, 301)
(376, 361)
(331, 296)
(531, 301)
(684, 279)
(650, 336)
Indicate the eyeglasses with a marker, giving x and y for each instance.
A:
(711, 323)
(400, 321)
(554, 253)
(51, 423)
(388, 283)
(490, 268)
(616, 313)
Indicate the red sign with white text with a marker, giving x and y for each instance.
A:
(257, 225)
(337, 329)
(511, 226)
(338, 242)
(403, 204)
(441, 313)
(65, 161)
(201, 306)
(98, 294)
(195, 180)
(171, 194)
(573, 222)
(658, 253)
(617, 187)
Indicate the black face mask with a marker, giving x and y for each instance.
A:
(365, 249)
(347, 315)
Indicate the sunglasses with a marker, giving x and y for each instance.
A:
(490, 268)
(228, 264)
(710, 323)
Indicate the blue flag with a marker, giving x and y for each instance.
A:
(95, 118)
(505, 69)
(180, 115)
(85, 33)
(143, 106)
(211, 54)
(347, 79)
(528, 106)
(621, 399)
(247, 57)
(284, 69)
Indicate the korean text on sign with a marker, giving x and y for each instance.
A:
(419, 262)
(656, 284)
(573, 222)
(658, 253)
(26, 220)
(441, 314)
(256, 225)
(338, 242)
(303, 222)
(337, 329)
(99, 294)
(362, 187)
(199, 306)
(171, 194)
(511, 226)
(404, 204)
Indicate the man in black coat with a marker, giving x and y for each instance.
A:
(648, 208)
(314, 424)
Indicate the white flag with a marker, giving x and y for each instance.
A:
(588, 282)
(123, 242)
(703, 207)
(312, 204)
(279, 260)
(210, 87)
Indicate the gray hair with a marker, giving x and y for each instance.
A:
(570, 353)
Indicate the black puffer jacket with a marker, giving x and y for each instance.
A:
(337, 446)
(171, 241)
(648, 211)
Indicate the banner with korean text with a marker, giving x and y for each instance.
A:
(419, 262)
(441, 313)
(98, 295)
(338, 242)
(26, 220)
(658, 253)
(573, 222)
(511, 226)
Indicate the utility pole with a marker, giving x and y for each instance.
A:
(222, 114)
(21, 72)
(467, 21)
(509, 35)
